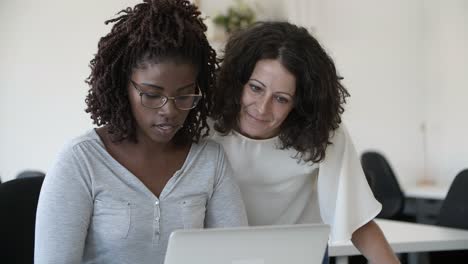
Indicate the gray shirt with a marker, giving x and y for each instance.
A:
(93, 210)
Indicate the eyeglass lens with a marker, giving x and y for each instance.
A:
(182, 102)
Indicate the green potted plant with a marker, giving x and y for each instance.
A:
(238, 16)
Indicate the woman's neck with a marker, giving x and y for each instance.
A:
(143, 147)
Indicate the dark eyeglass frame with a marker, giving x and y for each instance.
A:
(165, 99)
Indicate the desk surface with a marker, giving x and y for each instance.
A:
(410, 237)
(436, 191)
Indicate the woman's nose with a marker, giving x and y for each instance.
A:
(263, 104)
(168, 109)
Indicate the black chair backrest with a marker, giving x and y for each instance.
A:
(30, 173)
(454, 210)
(18, 204)
(454, 213)
(383, 183)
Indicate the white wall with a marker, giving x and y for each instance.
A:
(446, 83)
(45, 50)
(404, 62)
(377, 48)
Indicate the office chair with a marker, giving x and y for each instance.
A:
(387, 191)
(454, 213)
(30, 173)
(18, 204)
(384, 185)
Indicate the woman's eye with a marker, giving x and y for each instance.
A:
(153, 96)
(281, 100)
(255, 88)
(184, 98)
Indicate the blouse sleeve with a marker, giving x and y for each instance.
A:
(225, 207)
(64, 211)
(345, 198)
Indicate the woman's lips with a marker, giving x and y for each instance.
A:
(256, 119)
(167, 128)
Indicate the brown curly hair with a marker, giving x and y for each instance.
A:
(152, 31)
(319, 98)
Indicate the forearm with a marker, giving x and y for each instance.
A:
(370, 241)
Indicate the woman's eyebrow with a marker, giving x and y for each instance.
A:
(155, 86)
(191, 85)
(258, 82)
(286, 93)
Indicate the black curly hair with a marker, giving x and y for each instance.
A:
(319, 97)
(151, 32)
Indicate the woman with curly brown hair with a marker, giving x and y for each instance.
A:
(277, 112)
(116, 193)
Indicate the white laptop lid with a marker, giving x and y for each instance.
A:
(292, 244)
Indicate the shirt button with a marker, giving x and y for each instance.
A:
(156, 203)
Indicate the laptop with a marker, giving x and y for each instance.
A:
(292, 244)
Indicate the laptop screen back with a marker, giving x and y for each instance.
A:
(292, 244)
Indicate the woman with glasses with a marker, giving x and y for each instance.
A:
(116, 193)
(277, 113)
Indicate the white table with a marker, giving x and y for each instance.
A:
(424, 201)
(436, 191)
(406, 237)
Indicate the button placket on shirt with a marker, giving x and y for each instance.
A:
(157, 222)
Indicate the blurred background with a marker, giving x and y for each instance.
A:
(405, 64)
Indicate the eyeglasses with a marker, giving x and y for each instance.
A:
(156, 100)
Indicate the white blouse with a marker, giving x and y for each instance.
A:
(279, 189)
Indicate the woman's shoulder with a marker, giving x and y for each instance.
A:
(339, 135)
(208, 145)
(72, 157)
(341, 148)
(80, 141)
(88, 135)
